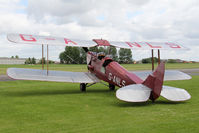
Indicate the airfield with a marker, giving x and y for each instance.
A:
(35, 106)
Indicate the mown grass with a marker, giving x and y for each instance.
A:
(75, 68)
(34, 106)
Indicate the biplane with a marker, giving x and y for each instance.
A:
(138, 86)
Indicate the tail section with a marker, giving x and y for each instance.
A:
(152, 88)
(155, 81)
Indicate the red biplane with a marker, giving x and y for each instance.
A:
(133, 86)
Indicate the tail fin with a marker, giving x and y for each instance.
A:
(155, 81)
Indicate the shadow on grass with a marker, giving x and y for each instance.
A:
(125, 104)
(105, 92)
(169, 102)
(148, 103)
(53, 92)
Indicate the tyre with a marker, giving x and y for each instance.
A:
(83, 87)
(111, 87)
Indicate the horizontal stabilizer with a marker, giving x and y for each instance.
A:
(134, 93)
(169, 75)
(57, 76)
(175, 94)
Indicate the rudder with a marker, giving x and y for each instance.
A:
(155, 81)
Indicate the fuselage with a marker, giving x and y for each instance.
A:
(110, 71)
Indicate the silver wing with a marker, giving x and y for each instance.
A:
(56, 41)
(169, 75)
(148, 45)
(39, 40)
(57, 76)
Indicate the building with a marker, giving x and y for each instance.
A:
(6, 60)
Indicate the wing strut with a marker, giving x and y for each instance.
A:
(153, 58)
(42, 57)
(158, 56)
(47, 59)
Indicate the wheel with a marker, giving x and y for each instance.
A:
(82, 87)
(111, 87)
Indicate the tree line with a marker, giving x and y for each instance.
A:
(76, 55)
(33, 61)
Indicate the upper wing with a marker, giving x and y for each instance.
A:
(57, 76)
(169, 75)
(35, 39)
(148, 45)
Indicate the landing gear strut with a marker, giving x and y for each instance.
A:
(82, 87)
(111, 87)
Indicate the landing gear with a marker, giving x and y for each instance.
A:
(111, 87)
(82, 87)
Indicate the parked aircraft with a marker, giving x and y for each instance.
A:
(133, 86)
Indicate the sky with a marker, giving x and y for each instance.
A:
(113, 20)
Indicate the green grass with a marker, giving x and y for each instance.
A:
(168, 66)
(70, 67)
(34, 106)
(31, 106)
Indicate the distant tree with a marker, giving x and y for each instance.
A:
(12, 57)
(103, 49)
(93, 49)
(146, 60)
(149, 60)
(71, 55)
(28, 61)
(44, 60)
(125, 56)
(16, 56)
(113, 53)
(82, 59)
(62, 57)
(172, 61)
(51, 62)
(33, 61)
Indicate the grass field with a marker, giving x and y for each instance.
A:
(70, 67)
(34, 106)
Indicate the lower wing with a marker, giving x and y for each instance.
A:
(57, 76)
(169, 75)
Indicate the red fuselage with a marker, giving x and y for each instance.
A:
(110, 71)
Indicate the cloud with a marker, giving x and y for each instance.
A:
(124, 20)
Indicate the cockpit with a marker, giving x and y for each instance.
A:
(100, 55)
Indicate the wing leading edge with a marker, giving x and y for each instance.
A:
(57, 76)
(61, 41)
(57, 41)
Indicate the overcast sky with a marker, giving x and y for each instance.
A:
(115, 20)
